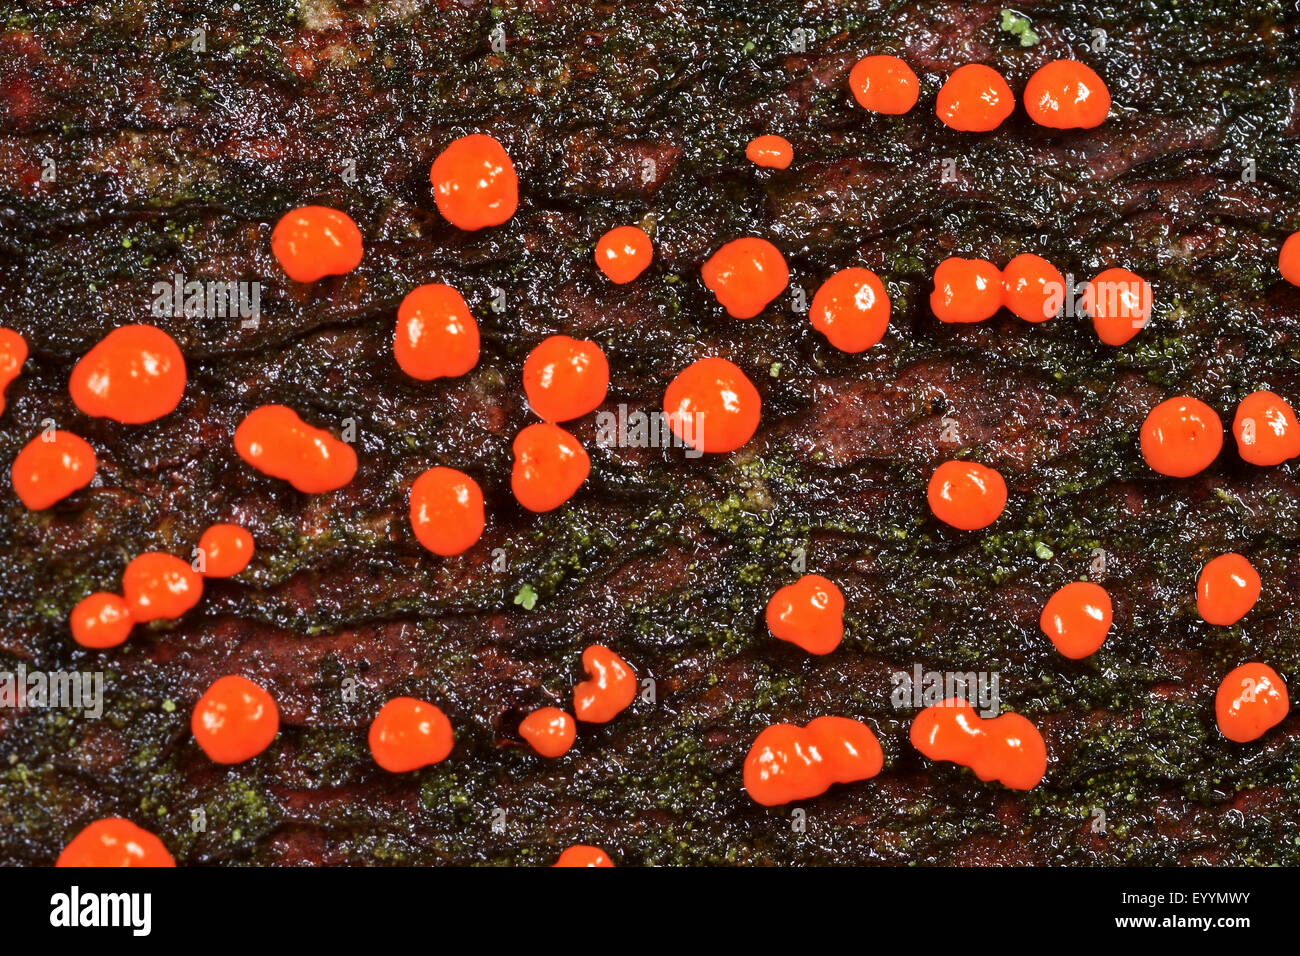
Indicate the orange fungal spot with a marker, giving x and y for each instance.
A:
(1181, 436)
(447, 511)
(474, 183)
(884, 84)
(746, 274)
(770, 152)
(436, 335)
(1067, 94)
(115, 841)
(13, 353)
(609, 689)
(234, 720)
(159, 586)
(101, 620)
(966, 495)
(1032, 288)
(974, 99)
(312, 242)
(966, 290)
(624, 253)
(226, 550)
(581, 855)
(135, 374)
(851, 309)
(1226, 589)
(1119, 302)
(1007, 748)
(50, 467)
(1250, 701)
(712, 406)
(550, 466)
(1266, 429)
(408, 734)
(809, 613)
(549, 731)
(565, 378)
(1077, 619)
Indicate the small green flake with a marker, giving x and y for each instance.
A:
(1043, 551)
(1018, 26)
(774, 370)
(169, 705)
(527, 597)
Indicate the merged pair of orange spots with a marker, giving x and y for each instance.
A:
(550, 466)
(234, 720)
(1077, 619)
(712, 406)
(770, 152)
(436, 335)
(787, 762)
(1266, 429)
(447, 513)
(155, 586)
(609, 689)
(1226, 589)
(474, 183)
(275, 441)
(745, 275)
(624, 253)
(13, 353)
(809, 613)
(408, 734)
(851, 309)
(1007, 748)
(312, 242)
(966, 494)
(50, 467)
(1181, 437)
(1250, 701)
(582, 855)
(115, 841)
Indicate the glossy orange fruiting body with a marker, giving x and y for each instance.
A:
(549, 731)
(1007, 748)
(624, 253)
(966, 495)
(159, 586)
(408, 734)
(550, 466)
(851, 309)
(1181, 436)
(1077, 619)
(50, 467)
(1266, 429)
(226, 549)
(1288, 259)
(788, 763)
(1226, 589)
(234, 720)
(135, 374)
(1032, 288)
(770, 152)
(447, 512)
(884, 84)
(966, 290)
(1119, 302)
(312, 242)
(809, 613)
(101, 620)
(974, 99)
(1067, 94)
(1250, 701)
(712, 406)
(13, 353)
(565, 378)
(609, 689)
(582, 855)
(474, 183)
(275, 441)
(436, 336)
(746, 274)
(115, 841)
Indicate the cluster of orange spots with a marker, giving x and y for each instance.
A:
(770, 152)
(974, 99)
(447, 513)
(135, 374)
(1266, 429)
(474, 183)
(275, 441)
(1077, 619)
(609, 689)
(712, 406)
(565, 378)
(1226, 589)
(809, 613)
(408, 734)
(884, 84)
(1181, 437)
(966, 494)
(582, 855)
(50, 467)
(746, 274)
(623, 253)
(1288, 259)
(234, 720)
(225, 550)
(113, 842)
(787, 762)
(13, 353)
(312, 242)
(851, 309)
(436, 336)
(549, 731)
(1250, 700)
(1119, 302)
(550, 466)
(1007, 748)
